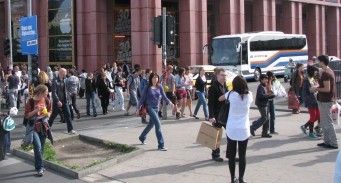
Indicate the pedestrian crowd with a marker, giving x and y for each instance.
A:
(57, 89)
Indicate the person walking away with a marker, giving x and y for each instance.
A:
(181, 94)
(13, 83)
(217, 89)
(90, 91)
(237, 127)
(189, 89)
(37, 114)
(118, 84)
(272, 109)
(310, 102)
(103, 88)
(18, 73)
(49, 73)
(144, 83)
(200, 89)
(72, 86)
(262, 102)
(60, 101)
(133, 82)
(126, 69)
(82, 77)
(150, 96)
(168, 81)
(297, 84)
(326, 98)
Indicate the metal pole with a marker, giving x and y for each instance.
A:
(9, 28)
(164, 55)
(29, 57)
(241, 58)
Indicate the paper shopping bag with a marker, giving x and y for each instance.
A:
(209, 136)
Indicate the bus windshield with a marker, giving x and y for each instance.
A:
(224, 51)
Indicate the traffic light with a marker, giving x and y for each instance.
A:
(157, 30)
(35, 67)
(16, 46)
(7, 47)
(170, 29)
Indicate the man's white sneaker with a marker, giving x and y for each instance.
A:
(72, 132)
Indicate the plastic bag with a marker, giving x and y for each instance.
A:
(335, 111)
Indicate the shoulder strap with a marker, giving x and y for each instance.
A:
(31, 103)
(228, 96)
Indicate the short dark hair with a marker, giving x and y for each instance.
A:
(148, 71)
(269, 73)
(186, 68)
(324, 59)
(71, 72)
(152, 75)
(263, 76)
(119, 69)
(311, 70)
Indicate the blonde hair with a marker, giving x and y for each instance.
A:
(43, 77)
(40, 89)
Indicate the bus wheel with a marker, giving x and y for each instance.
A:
(257, 74)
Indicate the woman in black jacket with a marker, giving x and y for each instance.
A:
(200, 90)
(103, 88)
(90, 91)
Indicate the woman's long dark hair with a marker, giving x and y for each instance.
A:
(151, 76)
(239, 85)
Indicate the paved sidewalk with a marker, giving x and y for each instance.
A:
(287, 157)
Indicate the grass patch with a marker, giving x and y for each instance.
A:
(51, 152)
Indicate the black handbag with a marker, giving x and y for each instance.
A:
(224, 111)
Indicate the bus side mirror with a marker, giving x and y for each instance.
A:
(204, 49)
(238, 47)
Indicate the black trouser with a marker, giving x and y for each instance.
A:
(105, 102)
(2, 144)
(262, 121)
(73, 102)
(216, 152)
(242, 145)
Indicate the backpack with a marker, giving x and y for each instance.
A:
(31, 101)
(8, 124)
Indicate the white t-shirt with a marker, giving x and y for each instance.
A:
(238, 124)
(189, 78)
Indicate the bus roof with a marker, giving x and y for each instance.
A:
(255, 33)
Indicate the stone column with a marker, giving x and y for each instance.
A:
(264, 13)
(333, 31)
(292, 17)
(231, 17)
(316, 29)
(93, 42)
(39, 8)
(144, 52)
(193, 31)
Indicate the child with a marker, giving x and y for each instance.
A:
(262, 99)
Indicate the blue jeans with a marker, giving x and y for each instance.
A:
(154, 120)
(91, 96)
(8, 142)
(38, 147)
(67, 115)
(272, 115)
(201, 101)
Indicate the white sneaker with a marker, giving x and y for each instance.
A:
(123, 109)
(113, 109)
(72, 132)
(162, 149)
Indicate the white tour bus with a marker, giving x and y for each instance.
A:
(251, 54)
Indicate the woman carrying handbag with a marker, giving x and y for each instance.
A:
(103, 87)
(150, 96)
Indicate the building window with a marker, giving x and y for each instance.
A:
(60, 32)
(211, 32)
(18, 10)
(122, 31)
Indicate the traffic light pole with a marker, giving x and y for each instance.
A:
(164, 55)
(9, 30)
(29, 57)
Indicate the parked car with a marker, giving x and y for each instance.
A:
(209, 71)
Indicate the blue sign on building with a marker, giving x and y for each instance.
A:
(29, 35)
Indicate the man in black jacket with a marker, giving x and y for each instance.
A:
(217, 89)
(262, 99)
(61, 101)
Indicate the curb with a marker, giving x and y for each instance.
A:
(282, 110)
(82, 173)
